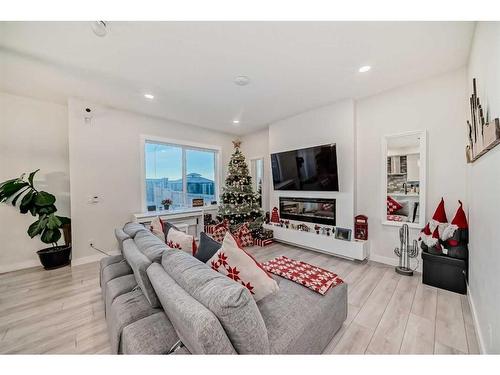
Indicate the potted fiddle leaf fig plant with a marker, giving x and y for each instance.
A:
(21, 193)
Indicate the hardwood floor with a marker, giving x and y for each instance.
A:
(61, 311)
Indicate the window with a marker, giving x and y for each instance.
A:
(179, 173)
(257, 167)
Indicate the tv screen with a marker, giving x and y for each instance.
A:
(311, 169)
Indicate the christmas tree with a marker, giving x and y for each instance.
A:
(239, 203)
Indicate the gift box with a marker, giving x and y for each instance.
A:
(209, 229)
(262, 242)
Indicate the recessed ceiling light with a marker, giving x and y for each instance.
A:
(99, 28)
(242, 80)
(149, 96)
(236, 122)
(364, 68)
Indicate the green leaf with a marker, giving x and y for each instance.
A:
(27, 202)
(14, 201)
(50, 236)
(8, 182)
(30, 178)
(53, 222)
(64, 220)
(37, 227)
(8, 190)
(46, 210)
(44, 199)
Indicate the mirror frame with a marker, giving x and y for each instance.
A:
(422, 174)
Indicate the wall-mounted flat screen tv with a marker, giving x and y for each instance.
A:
(310, 169)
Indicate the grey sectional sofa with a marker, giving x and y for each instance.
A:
(155, 297)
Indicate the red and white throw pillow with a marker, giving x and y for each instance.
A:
(182, 241)
(392, 205)
(156, 227)
(219, 232)
(232, 261)
(244, 235)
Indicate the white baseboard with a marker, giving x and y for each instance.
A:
(19, 266)
(36, 263)
(479, 336)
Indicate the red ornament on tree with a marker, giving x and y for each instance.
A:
(275, 216)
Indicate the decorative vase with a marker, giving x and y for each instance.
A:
(55, 257)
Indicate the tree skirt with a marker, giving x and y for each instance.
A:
(302, 273)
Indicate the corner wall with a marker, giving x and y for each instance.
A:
(330, 124)
(436, 105)
(256, 145)
(33, 135)
(483, 191)
(105, 161)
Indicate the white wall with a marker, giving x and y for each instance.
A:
(329, 124)
(105, 161)
(256, 145)
(33, 134)
(435, 105)
(483, 189)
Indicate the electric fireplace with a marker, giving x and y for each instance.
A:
(312, 210)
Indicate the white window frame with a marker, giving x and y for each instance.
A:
(185, 145)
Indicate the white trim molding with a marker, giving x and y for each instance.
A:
(475, 319)
(182, 143)
(422, 183)
(19, 266)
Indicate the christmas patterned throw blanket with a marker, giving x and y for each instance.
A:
(310, 276)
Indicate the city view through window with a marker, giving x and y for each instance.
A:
(180, 174)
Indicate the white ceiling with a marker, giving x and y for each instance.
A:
(190, 66)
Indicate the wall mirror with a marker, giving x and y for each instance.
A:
(257, 174)
(404, 161)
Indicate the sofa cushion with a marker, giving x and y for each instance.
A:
(231, 303)
(118, 286)
(126, 309)
(139, 263)
(234, 262)
(300, 321)
(153, 334)
(167, 226)
(132, 228)
(156, 227)
(113, 271)
(150, 245)
(120, 237)
(104, 262)
(177, 239)
(197, 327)
(206, 248)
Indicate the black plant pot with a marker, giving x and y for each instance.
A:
(55, 257)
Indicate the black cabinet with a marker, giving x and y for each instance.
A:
(445, 272)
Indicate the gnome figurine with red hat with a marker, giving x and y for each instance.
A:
(431, 235)
(430, 241)
(457, 235)
(439, 220)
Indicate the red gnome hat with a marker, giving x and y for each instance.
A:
(435, 235)
(440, 213)
(426, 230)
(460, 220)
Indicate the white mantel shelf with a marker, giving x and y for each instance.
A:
(144, 217)
(358, 250)
(190, 217)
